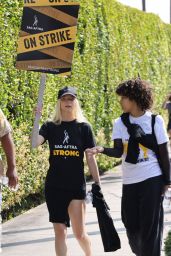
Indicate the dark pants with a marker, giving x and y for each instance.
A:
(142, 215)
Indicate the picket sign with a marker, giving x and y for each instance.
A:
(46, 43)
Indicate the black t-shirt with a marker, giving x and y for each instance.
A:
(67, 143)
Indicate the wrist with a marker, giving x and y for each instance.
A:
(97, 182)
(11, 168)
(102, 149)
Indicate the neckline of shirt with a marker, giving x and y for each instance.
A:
(69, 122)
(147, 113)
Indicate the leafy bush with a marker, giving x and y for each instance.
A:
(31, 166)
(168, 245)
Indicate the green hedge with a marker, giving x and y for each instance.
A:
(114, 43)
(167, 246)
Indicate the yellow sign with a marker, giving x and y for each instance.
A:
(28, 3)
(47, 39)
(47, 36)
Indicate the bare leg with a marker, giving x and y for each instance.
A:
(60, 239)
(76, 211)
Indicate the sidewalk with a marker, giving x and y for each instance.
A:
(31, 234)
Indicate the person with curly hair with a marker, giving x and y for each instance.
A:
(140, 138)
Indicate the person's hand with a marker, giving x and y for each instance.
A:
(38, 110)
(13, 177)
(165, 189)
(94, 150)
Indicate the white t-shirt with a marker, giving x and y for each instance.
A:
(147, 165)
(5, 127)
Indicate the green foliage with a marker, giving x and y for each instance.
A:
(113, 43)
(31, 166)
(167, 247)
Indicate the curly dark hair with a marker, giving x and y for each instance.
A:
(138, 90)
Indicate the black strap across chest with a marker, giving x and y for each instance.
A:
(138, 136)
(127, 123)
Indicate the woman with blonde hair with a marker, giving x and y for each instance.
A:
(68, 135)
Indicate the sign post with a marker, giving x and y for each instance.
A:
(35, 130)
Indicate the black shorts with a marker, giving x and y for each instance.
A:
(58, 200)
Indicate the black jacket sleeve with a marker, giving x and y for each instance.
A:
(165, 163)
(116, 151)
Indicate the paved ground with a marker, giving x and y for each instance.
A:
(31, 234)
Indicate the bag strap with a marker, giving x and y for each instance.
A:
(125, 119)
(153, 123)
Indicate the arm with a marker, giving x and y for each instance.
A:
(116, 151)
(9, 149)
(162, 149)
(165, 164)
(93, 169)
(164, 105)
(1, 167)
(40, 140)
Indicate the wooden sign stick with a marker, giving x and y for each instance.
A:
(35, 130)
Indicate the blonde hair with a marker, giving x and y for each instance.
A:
(79, 116)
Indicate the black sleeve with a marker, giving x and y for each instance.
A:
(165, 163)
(44, 131)
(88, 137)
(116, 151)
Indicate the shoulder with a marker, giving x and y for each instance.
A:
(5, 127)
(159, 124)
(47, 129)
(85, 126)
(159, 119)
(118, 125)
(168, 104)
(160, 130)
(48, 125)
(118, 122)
